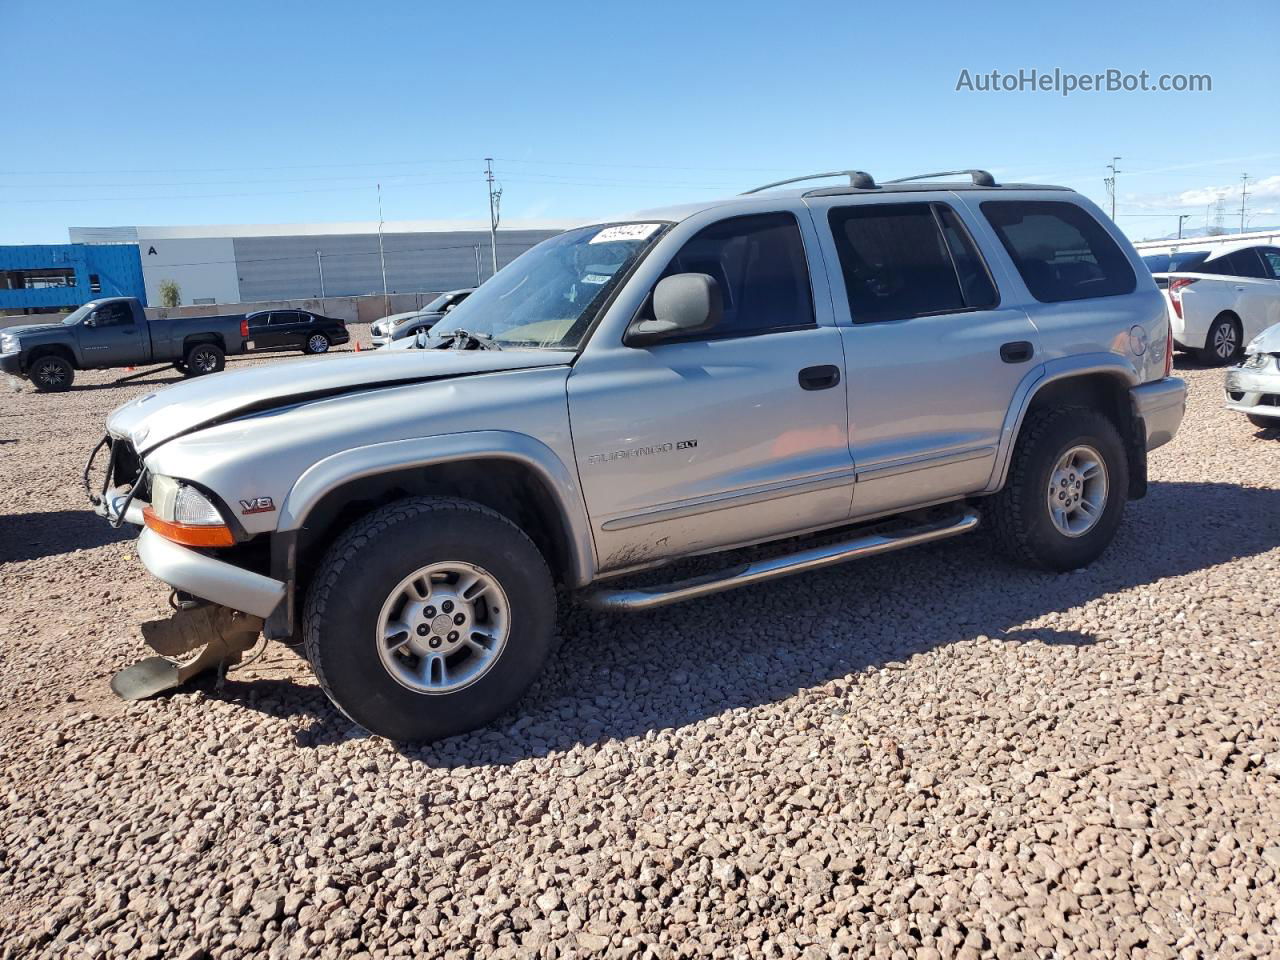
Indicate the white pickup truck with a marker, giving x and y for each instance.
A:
(1219, 299)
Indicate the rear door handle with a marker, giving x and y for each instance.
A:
(819, 378)
(1016, 351)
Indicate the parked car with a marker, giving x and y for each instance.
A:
(115, 332)
(1219, 299)
(295, 330)
(402, 325)
(1253, 387)
(886, 361)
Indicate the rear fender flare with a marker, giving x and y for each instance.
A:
(1053, 371)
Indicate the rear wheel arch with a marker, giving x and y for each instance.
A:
(197, 339)
(1104, 390)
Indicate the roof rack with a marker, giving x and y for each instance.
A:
(858, 179)
(980, 178)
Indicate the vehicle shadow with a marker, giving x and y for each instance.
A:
(29, 536)
(621, 676)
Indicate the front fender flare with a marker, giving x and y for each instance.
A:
(359, 462)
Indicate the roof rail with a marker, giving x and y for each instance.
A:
(857, 178)
(980, 178)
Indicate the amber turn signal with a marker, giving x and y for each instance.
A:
(189, 535)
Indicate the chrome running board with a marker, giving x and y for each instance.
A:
(815, 558)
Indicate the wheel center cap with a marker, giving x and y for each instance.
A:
(442, 624)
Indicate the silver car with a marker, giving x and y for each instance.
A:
(1253, 387)
(884, 364)
(401, 325)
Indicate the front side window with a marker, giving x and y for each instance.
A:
(759, 264)
(903, 260)
(112, 315)
(549, 295)
(1060, 250)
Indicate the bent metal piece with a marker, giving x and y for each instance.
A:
(223, 634)
(867, 545)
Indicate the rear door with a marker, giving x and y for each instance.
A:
(933, 356)
(112, 337)
(1257, 290)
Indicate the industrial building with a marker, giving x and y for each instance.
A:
(54, 277)
(271, 262)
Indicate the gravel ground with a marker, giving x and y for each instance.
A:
(930, 754)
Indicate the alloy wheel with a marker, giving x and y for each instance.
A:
(1077, 491)
(318, 343)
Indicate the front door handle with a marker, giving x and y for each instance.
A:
(819, 378)
(1016, 351)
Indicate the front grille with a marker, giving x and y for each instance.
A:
(125, 465)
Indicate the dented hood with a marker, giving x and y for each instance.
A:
(154, 418)
(1268, 341)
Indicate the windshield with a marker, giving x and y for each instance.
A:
(1186, 260)
(79, 313)
(548, 296)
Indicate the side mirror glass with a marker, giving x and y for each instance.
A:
(684, 304)
(91, 320)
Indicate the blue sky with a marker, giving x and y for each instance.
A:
(150, 113)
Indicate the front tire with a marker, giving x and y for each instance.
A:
(1066, 490)
(428, 618)
(1223, 344)
(1263, 422)
(204, 358)
(316, 343)
(52, 374)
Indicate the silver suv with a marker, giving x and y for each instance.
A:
(877, 364)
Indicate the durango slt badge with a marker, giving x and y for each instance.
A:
(641, 451)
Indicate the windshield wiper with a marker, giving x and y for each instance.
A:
(458, 339)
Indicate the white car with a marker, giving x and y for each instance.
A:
(1253, 387)
(399, 326)
(1219, 299)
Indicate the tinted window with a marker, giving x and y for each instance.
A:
(1271, 260)
(898, 264)
(112, 315)
(759, 264)
(1060, 250)
(1247, 263)
(1188, 261)
(284, 317)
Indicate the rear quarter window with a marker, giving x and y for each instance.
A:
(1060, 250)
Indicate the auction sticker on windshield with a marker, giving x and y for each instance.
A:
(626, 231)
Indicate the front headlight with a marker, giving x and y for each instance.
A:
(183, 514)
(1255, 361)
(8, 343)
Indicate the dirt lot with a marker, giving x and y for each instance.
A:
(928, 754)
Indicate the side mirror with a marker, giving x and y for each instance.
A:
(683, 304)
(91, 320)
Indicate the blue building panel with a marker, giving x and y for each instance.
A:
(65, 275)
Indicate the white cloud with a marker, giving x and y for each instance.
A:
(1267, 187)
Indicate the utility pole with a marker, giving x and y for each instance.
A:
(495, 204)
(1244, 196)
(320, 267)
(478, 280)
(386, 310)
(1181, 218)
(1111, 184)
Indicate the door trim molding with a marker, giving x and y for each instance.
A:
(911, 464)
(724, 501)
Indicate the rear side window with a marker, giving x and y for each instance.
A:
(1187, 261)
(903, 260)
(759, 264)
(1060, 250)
(1271, 260)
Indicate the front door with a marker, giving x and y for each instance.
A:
(933, 358)
(111, 337)
(733, 436)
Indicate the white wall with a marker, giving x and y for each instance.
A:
(202, 267)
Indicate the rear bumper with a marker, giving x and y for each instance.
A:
(1161, 405)
(207, 578)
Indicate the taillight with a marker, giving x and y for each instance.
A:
(1175, 292)
(244, 326)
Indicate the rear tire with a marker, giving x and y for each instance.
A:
(52, 374)
(1223, 343)
(204, 358)
(316, 343)
(395, 568)
(1050, 463)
